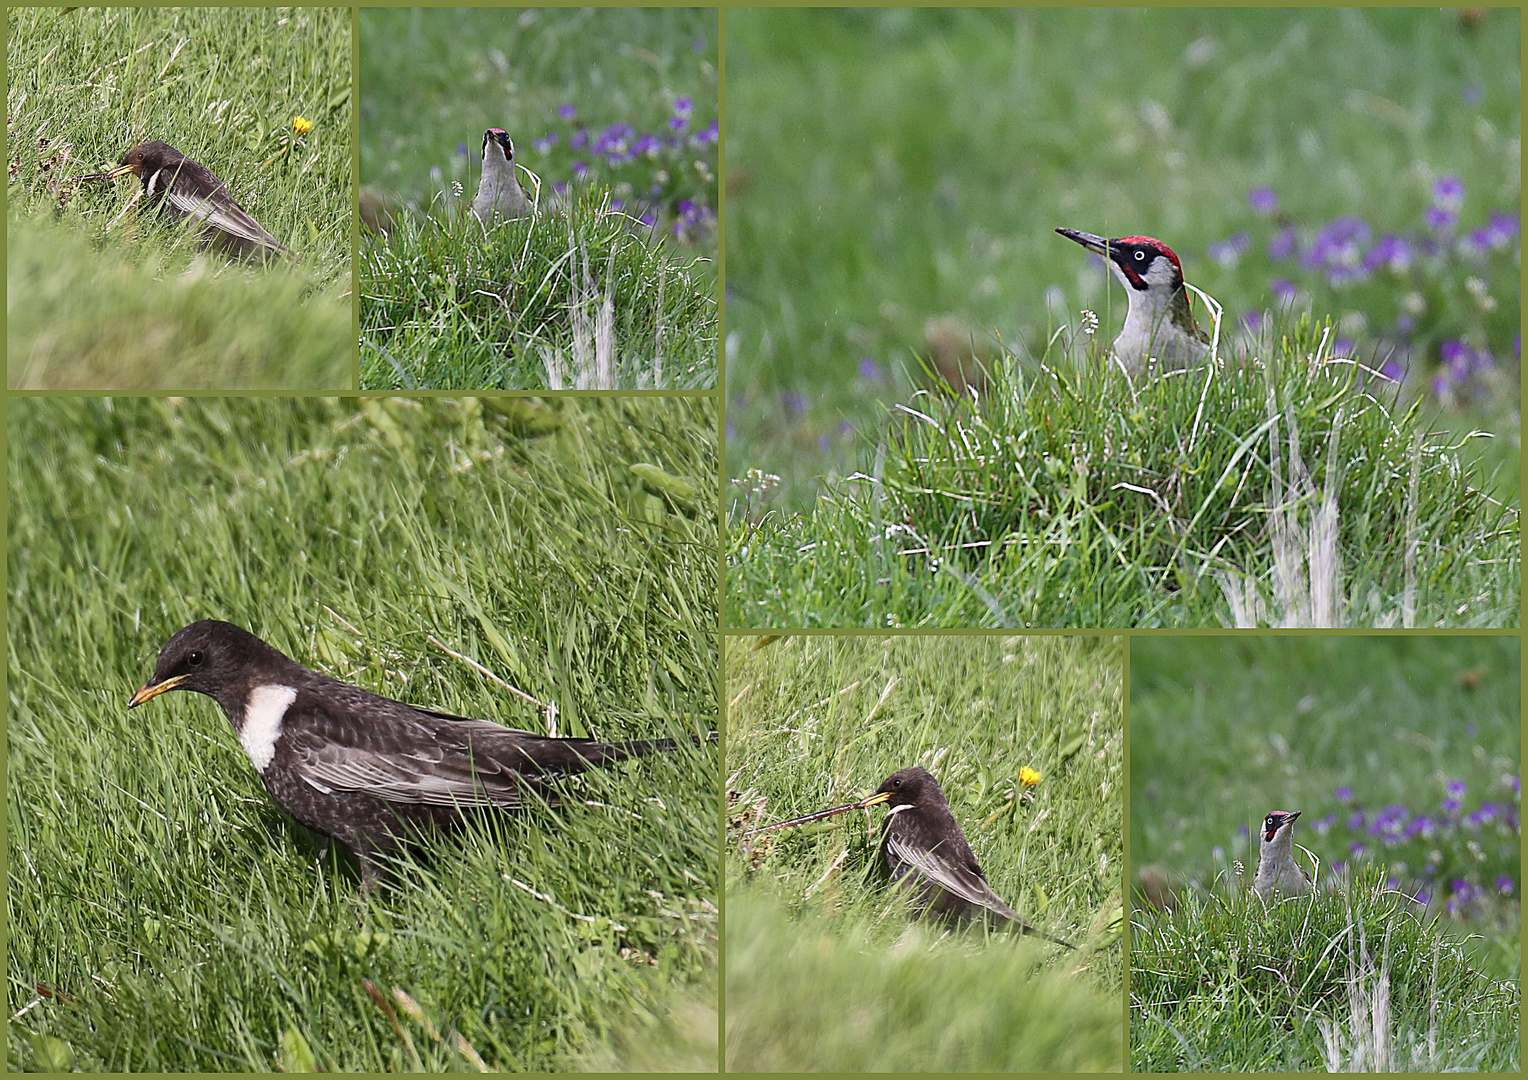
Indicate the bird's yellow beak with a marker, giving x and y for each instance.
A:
(875, 800)
(149, 691)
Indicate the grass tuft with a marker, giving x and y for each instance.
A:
(1070, 495)
(581, 298)
(1351, 980)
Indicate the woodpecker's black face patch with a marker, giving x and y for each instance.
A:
(1276, 820)
(1135, 254)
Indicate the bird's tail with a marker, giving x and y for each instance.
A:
(573, 755)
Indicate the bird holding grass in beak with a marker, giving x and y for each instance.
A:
(926, 853)
(186, 189)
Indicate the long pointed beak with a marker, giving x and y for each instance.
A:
(1096, 244)
(863, 804)
(149, 691)
(112, 174)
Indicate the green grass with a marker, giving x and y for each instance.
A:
(101, 303)
(1351, 981)
(1224, 729)
(1295, 493)
(891, 167)
(178, 919)
(824, 969)
(442, 307)
(582, 300)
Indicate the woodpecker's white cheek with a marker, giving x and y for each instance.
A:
(263, 714)
(1162, 272)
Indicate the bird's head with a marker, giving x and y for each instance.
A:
(1276, 820)
(1140, 262)
(203, 657)
(496, 142)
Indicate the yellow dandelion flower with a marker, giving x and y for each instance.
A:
(1028, 777)
(301, 125)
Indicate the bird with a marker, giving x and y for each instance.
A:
(1159, 323)
(499, 194)
(927, 855)
(183, 188)
(356, 767)
(1277, 871)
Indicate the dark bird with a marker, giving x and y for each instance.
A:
(926, 854)
(364, 769)
(183, 188)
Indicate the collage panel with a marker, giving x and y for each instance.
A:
(959, 905)
(539, 196)
(460, 809)
(1109, 318)
(181, 204)
(1325, 853)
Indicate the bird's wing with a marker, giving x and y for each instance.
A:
(220, 210)
(352, 740)
(956, 872)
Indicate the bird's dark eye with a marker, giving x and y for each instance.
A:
(896, 783)
(1139, 255)
(194, 658)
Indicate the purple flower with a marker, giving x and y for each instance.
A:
(1448, 191)
(461, 148)
(648, 145)
(845, 428)
(561, 187)
(1263, 200)
(1440, 219)
(1343, 794)
(698, 45)
(1439, 386)
(1504, 885)
(824, 443)
(1253, 321)
(1503, 228)
(1454, 787)
(567, 113)
(578, 140)
(1344, 347)
(1323, 825)
(1471, 94)
(1282, 246)
(545, 143)
(712, 131)
(1513, 780)
(1389, 251)
(1356, 849)
(869, 369)
(1356, 821)
(1451, 806)
(683, 106)
(795, 402)
(678, 123)
(1423, 897)
(1479, 240)
(1283, 291)
(1243, 831)
(579, 168)
(1392, 370)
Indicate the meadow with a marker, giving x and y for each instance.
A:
(105, 297)
(613, 283)
(1403, 754)
(1343, 183)
(826, 969)
(165, 916)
